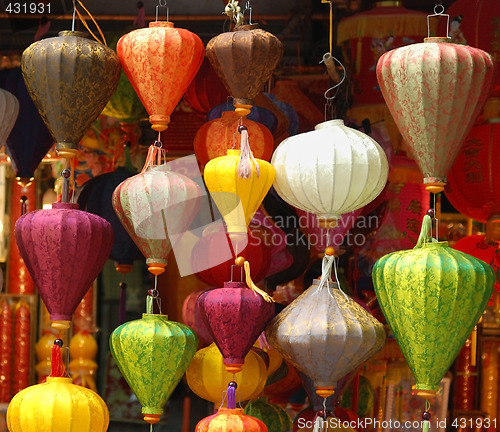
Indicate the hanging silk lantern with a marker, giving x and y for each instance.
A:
(235, 317)
(52, 242)
(206, 90)
(152, 206)
(191, 316)
(57, 404)
(152, 354)
(282, 384)
(96, 197)
(273, 416)
(325, 333)
(9, 110)
(238, 197)
(70, 78)
(432, 297)
(214, 138)
(231, 418)
(29, 140)
(471, 187)
(342, 170)
(207, 257)
(244, 59)
(160, 62)
(435, 90)
(257, 114)
(207, 377)
(82, 367)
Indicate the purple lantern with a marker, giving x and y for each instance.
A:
(235, 316)
(64, 250)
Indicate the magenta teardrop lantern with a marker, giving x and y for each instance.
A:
(435, 90)
(64, 250)
(235, 316)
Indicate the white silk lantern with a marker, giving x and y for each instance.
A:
(9, 109)
(329, 171)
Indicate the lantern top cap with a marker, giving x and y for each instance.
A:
(166, 24)
(437, 39)
(75, 33)
(65, 206)
(154, 317)
(329, 123)
(233, 152)
(64, 380)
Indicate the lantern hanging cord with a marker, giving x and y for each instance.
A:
(162, 4)
(84, 22)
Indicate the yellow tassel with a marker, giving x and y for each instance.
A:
(254, 287)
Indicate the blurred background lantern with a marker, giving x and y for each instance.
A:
(70, 78)
(244, 59)
(30, 140)
(57, 404)
(311, 181)
(191, 316)
(364, 37)
(207, 377)
(154, 206)
(207, 257)
(214, 138)
(51, 242)
(273, 416)
(206, 90)
(282, 383)
(257, 114)
(432, 297)
(472, 187)
(160, 62)
(325, 334)
(235, 317)
(237, 198)
(9, 110)
(83, 367)
(435, 90)
(152, 354)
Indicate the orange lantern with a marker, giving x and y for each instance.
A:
(160, 62)
(244, 59)
(214, 138)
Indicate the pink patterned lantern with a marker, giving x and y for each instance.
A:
(235, 316)
(435, 90)
(64, 250)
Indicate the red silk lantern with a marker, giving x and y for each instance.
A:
(214, 138)
(244, 59)
(160, 62)
(235, 316)
(435, 90)
(472, 187)
(191, 316)
(207, 255)
(64, 250)
(206, 90)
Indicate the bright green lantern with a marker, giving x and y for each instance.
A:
(432, 297)
(152, 354)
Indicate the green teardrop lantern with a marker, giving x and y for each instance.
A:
(70, 79)
(274, 417)
(432, 297)
(152, 354)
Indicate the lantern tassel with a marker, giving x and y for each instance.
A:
(231, 395)
(244, 169)
(425, 232)
(254, 287)
(57, 367)
(155, 155)
(327, 265)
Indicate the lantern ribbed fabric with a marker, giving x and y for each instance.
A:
(152, 354)
(154, 206)
(9, 110)
(29, 140)
(325, 334)
(235, 317)
(244, 59)
(70, 78)
(207, 377)
(160, 62)
(342, 170)
(435, 90)
(229, 190)
(432, 297)
(473, 188)
(215, 137)
(64, 250)
(273, 416)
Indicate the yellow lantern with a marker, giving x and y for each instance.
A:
(208, 378)
(83, 350)
(238, 195)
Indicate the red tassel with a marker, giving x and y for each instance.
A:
(58, 368)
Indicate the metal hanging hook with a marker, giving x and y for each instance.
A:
(438, 12)
(248, 7)
(162, 4)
